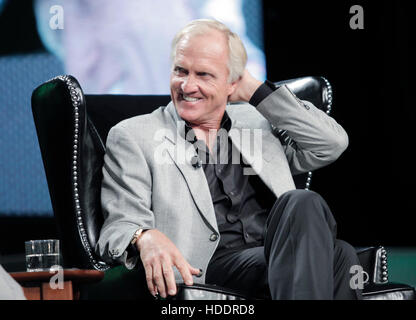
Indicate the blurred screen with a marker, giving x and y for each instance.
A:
(117, 47)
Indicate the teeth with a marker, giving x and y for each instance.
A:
(189, 99)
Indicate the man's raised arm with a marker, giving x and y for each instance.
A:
(319, 139)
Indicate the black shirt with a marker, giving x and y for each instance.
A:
(241, 202)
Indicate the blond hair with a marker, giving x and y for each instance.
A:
(237, 55)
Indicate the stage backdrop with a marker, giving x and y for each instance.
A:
(110, 47)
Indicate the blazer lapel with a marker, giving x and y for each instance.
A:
(181, 154)
(258, 149)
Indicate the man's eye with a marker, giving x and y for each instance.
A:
(203, 74)
(180, 70)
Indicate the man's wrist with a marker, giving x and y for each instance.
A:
(140, 238)
(262, 92)
(252, 88)
(137, 236)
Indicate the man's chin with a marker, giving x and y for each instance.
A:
(188, 117)
(186, 113)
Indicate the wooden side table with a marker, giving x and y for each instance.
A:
(36, 285)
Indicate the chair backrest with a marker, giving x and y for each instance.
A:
(72, 130)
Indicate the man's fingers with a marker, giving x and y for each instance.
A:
(159, 280)
(167, 271)
(195, 271)
(186, 272)
(149, 279)
(159, 255)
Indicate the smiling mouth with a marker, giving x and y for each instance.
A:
(187, 98)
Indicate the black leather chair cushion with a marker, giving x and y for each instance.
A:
(105, 111)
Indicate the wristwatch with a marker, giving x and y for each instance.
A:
(136, 236)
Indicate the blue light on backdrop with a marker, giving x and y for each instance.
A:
(23, 188)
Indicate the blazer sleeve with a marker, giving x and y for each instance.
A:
(319, 139)
(125, 197)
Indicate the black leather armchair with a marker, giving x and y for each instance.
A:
(72, 129)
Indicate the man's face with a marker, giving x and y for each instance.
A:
(199, 79)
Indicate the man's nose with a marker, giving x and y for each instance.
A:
(189, 84)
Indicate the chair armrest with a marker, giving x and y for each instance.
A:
(374, 262)
(206, 292)
(389, 291)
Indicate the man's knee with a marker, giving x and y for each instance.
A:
(303, 204)
(301, 196)
(306, 210)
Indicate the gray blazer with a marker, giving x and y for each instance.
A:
(149, 181)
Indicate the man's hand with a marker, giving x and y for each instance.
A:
(246, 87)
(159, 255)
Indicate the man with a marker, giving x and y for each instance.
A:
(180, 214)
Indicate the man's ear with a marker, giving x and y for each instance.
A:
(234, 86)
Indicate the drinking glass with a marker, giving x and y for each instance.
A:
(41, 255)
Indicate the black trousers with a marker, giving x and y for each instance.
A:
(301, 257)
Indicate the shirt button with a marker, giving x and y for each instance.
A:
(231, 218)
(232, 193)
(213, 237)
(246, 235)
